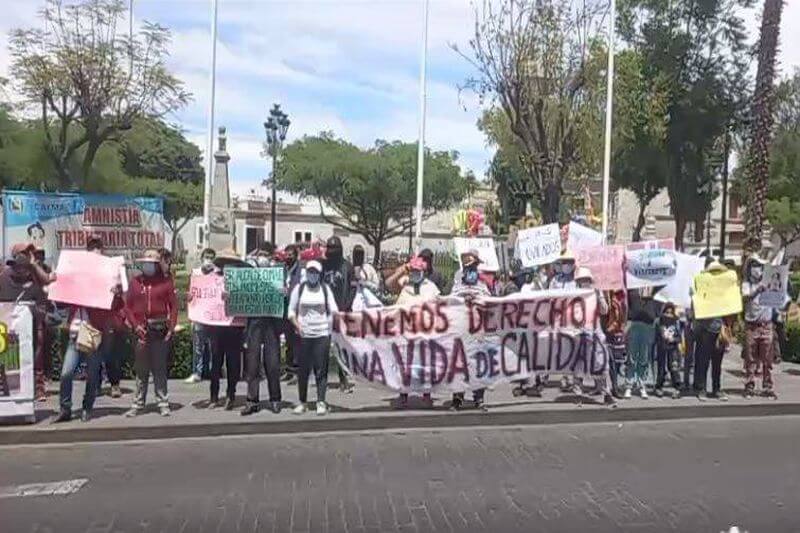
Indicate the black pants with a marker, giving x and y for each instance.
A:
(113, 349)
(706, 351)
(226, 346)
(314, 355)
(689, 358)
(668, 362)
(263, 346)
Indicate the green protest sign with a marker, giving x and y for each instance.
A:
(254, 291)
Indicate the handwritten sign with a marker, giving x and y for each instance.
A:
(579, 236)
(538, 246)
(86, 279)
(716, 294)
(450, 345)
(254, 291)
(678, 290)
(650, 263)
(16, 360)
(206, 305)
(606, 265)
(776, 284)
(485, 248)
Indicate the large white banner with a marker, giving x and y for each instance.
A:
(452, 345)
(16, 360)
(128, 225)
(678, 290)
(538, 246)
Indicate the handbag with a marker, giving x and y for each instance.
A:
(88, 339)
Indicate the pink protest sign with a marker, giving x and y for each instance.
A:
(85, 279)
(206, 305)
(606, 264)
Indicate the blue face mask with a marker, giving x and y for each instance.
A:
(312, 278)
(149, 269)
(416, 277)
(471, 277)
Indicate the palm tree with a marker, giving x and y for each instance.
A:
(757, 170)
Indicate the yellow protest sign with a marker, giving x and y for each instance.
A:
(716, 294)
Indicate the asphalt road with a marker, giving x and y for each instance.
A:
(692, 476)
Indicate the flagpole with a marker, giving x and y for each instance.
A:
(210, 126)
(609, 119)
(423, 71)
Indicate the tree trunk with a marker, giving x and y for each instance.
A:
(551, 200)
(376, 249)
(640, 223)
(757, 169)
(680, 230)
(88, 158)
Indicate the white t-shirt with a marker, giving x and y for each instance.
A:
(310, 311)
(427, 291)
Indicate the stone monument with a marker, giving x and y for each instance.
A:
(222, 229)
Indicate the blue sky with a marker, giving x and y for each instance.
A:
(350, 66)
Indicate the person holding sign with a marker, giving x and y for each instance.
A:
(311, 306)
(585, 280)
(201, 341)
(759, 331)
(151, 308)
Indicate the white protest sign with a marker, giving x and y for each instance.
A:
(580, 236)
(484, 247)
(450, 345)
(775, 282)
(650, 264)
(538, 246)
(678, 291)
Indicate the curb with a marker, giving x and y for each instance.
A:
(412, 421)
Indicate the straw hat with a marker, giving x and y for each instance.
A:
(149, 256)
(583, 273)
(314, 265)
(229, 257)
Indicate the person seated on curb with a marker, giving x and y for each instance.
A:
(311, 306)
(417, 289)
(469, 285)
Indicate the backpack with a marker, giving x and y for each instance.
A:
(325, 290)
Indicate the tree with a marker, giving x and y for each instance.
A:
(757, 170)
(90, 83)
(372, 191)
(155, 149)
(530, 58)
(699, 49)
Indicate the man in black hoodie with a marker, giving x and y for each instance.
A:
(339, 275)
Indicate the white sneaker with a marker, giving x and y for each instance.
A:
(643, 393)
(194, 378)
(322, 408)
(300, 409)
(627, 394)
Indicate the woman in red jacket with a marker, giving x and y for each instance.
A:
(151, 308)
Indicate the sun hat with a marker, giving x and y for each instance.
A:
(314, 265)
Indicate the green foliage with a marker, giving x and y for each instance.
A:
(793, 344)
(155, 149)
(373, 191)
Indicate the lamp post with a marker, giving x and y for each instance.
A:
(275, 127)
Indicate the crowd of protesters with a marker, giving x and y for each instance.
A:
(655, 347)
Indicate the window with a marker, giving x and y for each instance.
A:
(253, 238)
(733, 206)
(302, 236)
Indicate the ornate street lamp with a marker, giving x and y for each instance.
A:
(275, 127)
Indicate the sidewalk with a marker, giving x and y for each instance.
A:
(370, 409)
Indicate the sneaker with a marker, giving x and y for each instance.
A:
(609, 400)
(749, 391)
(700, 397)
(769, 393)
(628, 394)
(676, 394)
(534, 392)
(348, 388)
(456, 405)
(643, 393)
(712, 395)
(249, 409)
(64, 416)
(658, 393)
(194, 378)
(132, 412)
(322, 409)
(721, 396)
(213, 403)
(86, 415)
(164, 410)
(116, 392)
(577, 390)
(300, 409)
(275, 407)
(229, 404)
(402, 401)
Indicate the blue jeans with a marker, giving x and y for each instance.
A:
(72, 360)
(201, 349)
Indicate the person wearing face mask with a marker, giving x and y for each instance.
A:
(151, 308)
(365, 274)
(669, 335)
(469, 285)
(262, 346)
(338, 275)
(417, 289)
(759, 330)
(311, 306)
(585, 280)
(642, 313)
(294, 275)
(201, 339)
(431, 273)
(563, 272)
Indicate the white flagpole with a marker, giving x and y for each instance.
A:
(210, 133)
(423, 71)
(609, 119)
